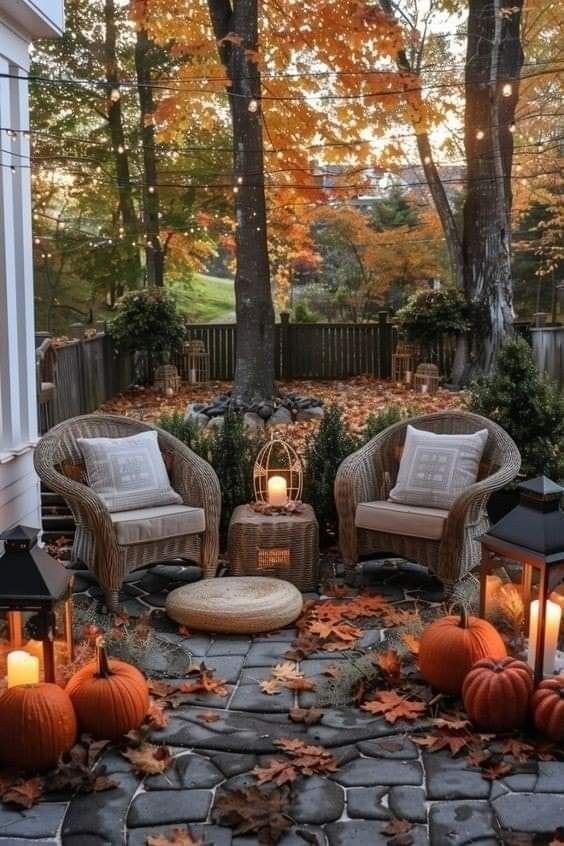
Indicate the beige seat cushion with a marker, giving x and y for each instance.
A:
(235, 604)
(151, 524)
(412, 520)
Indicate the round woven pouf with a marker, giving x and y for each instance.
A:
(235, 605)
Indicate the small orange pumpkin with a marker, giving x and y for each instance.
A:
(37, 725)
(450, 647)
(496, 693)
(110, 697)
(548, 708)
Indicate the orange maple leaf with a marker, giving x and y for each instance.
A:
(394, 706)
(342, 631)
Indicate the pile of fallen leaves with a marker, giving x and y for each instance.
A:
(357, 397)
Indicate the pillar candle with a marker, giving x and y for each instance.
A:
(552, 629)
(277, 493)
(23, 668)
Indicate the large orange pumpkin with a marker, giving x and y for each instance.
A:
(548, 708)
(450, 646)
(37, 725)
(496, 693)
(110, 697)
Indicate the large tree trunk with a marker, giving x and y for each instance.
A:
(115, 123)
(153, 247)
(493, 62)
(254, 368)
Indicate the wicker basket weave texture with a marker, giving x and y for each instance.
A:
(95, 541)
(284, 546)
(369, 474)
(235, 605)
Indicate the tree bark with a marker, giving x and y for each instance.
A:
(254, 367)
(493, 61)
(154, 253)
(115, 123)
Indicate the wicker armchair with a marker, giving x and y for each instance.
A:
(370, 473)
(59, 464)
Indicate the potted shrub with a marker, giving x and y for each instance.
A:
(430, 315)
(531, 409)
(148, 321)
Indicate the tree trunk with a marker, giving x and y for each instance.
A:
(254, 367)
(493, 62)
(154, 253)
(115, 123)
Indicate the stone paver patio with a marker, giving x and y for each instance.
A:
(382, 774)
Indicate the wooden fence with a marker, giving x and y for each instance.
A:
(548, 349)
(315, 350)
(85, 373)
(307, 350)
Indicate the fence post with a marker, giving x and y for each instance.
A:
(384, 345)
(284, 345)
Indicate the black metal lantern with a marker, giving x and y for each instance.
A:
(35, 602)
(530, 537)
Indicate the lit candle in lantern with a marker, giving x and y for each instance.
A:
(23, 668)
(424, 388)
(408, 377)
(551, 632)
(277, 493)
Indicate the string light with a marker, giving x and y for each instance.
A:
(480, 134)
(512, 127)
(507, 90)
(115, 95)
(253, 106)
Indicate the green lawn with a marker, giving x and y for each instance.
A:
(206, 298)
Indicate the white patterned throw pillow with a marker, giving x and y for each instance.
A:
(434, 469)
(128, 473)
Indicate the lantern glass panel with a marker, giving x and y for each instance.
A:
(45, 633)
(510, 601)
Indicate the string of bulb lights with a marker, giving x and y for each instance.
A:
(114, 95)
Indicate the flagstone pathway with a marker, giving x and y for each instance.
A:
(381, 775)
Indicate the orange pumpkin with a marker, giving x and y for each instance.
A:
(548, 708)
(110, 697)
(450, 647)
(496, 693)
(37, 725)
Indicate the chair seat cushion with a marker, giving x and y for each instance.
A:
(151, 524)
(396, 519)
(235, 604)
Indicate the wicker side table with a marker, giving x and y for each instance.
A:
(283, 546)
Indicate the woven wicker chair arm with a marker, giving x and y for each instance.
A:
(80, 497)
(192, 477)
(357, 480)
(467, 509)
(197, 483)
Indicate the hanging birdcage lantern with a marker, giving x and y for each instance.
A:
(277, 474)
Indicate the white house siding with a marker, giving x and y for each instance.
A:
(20, 22)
